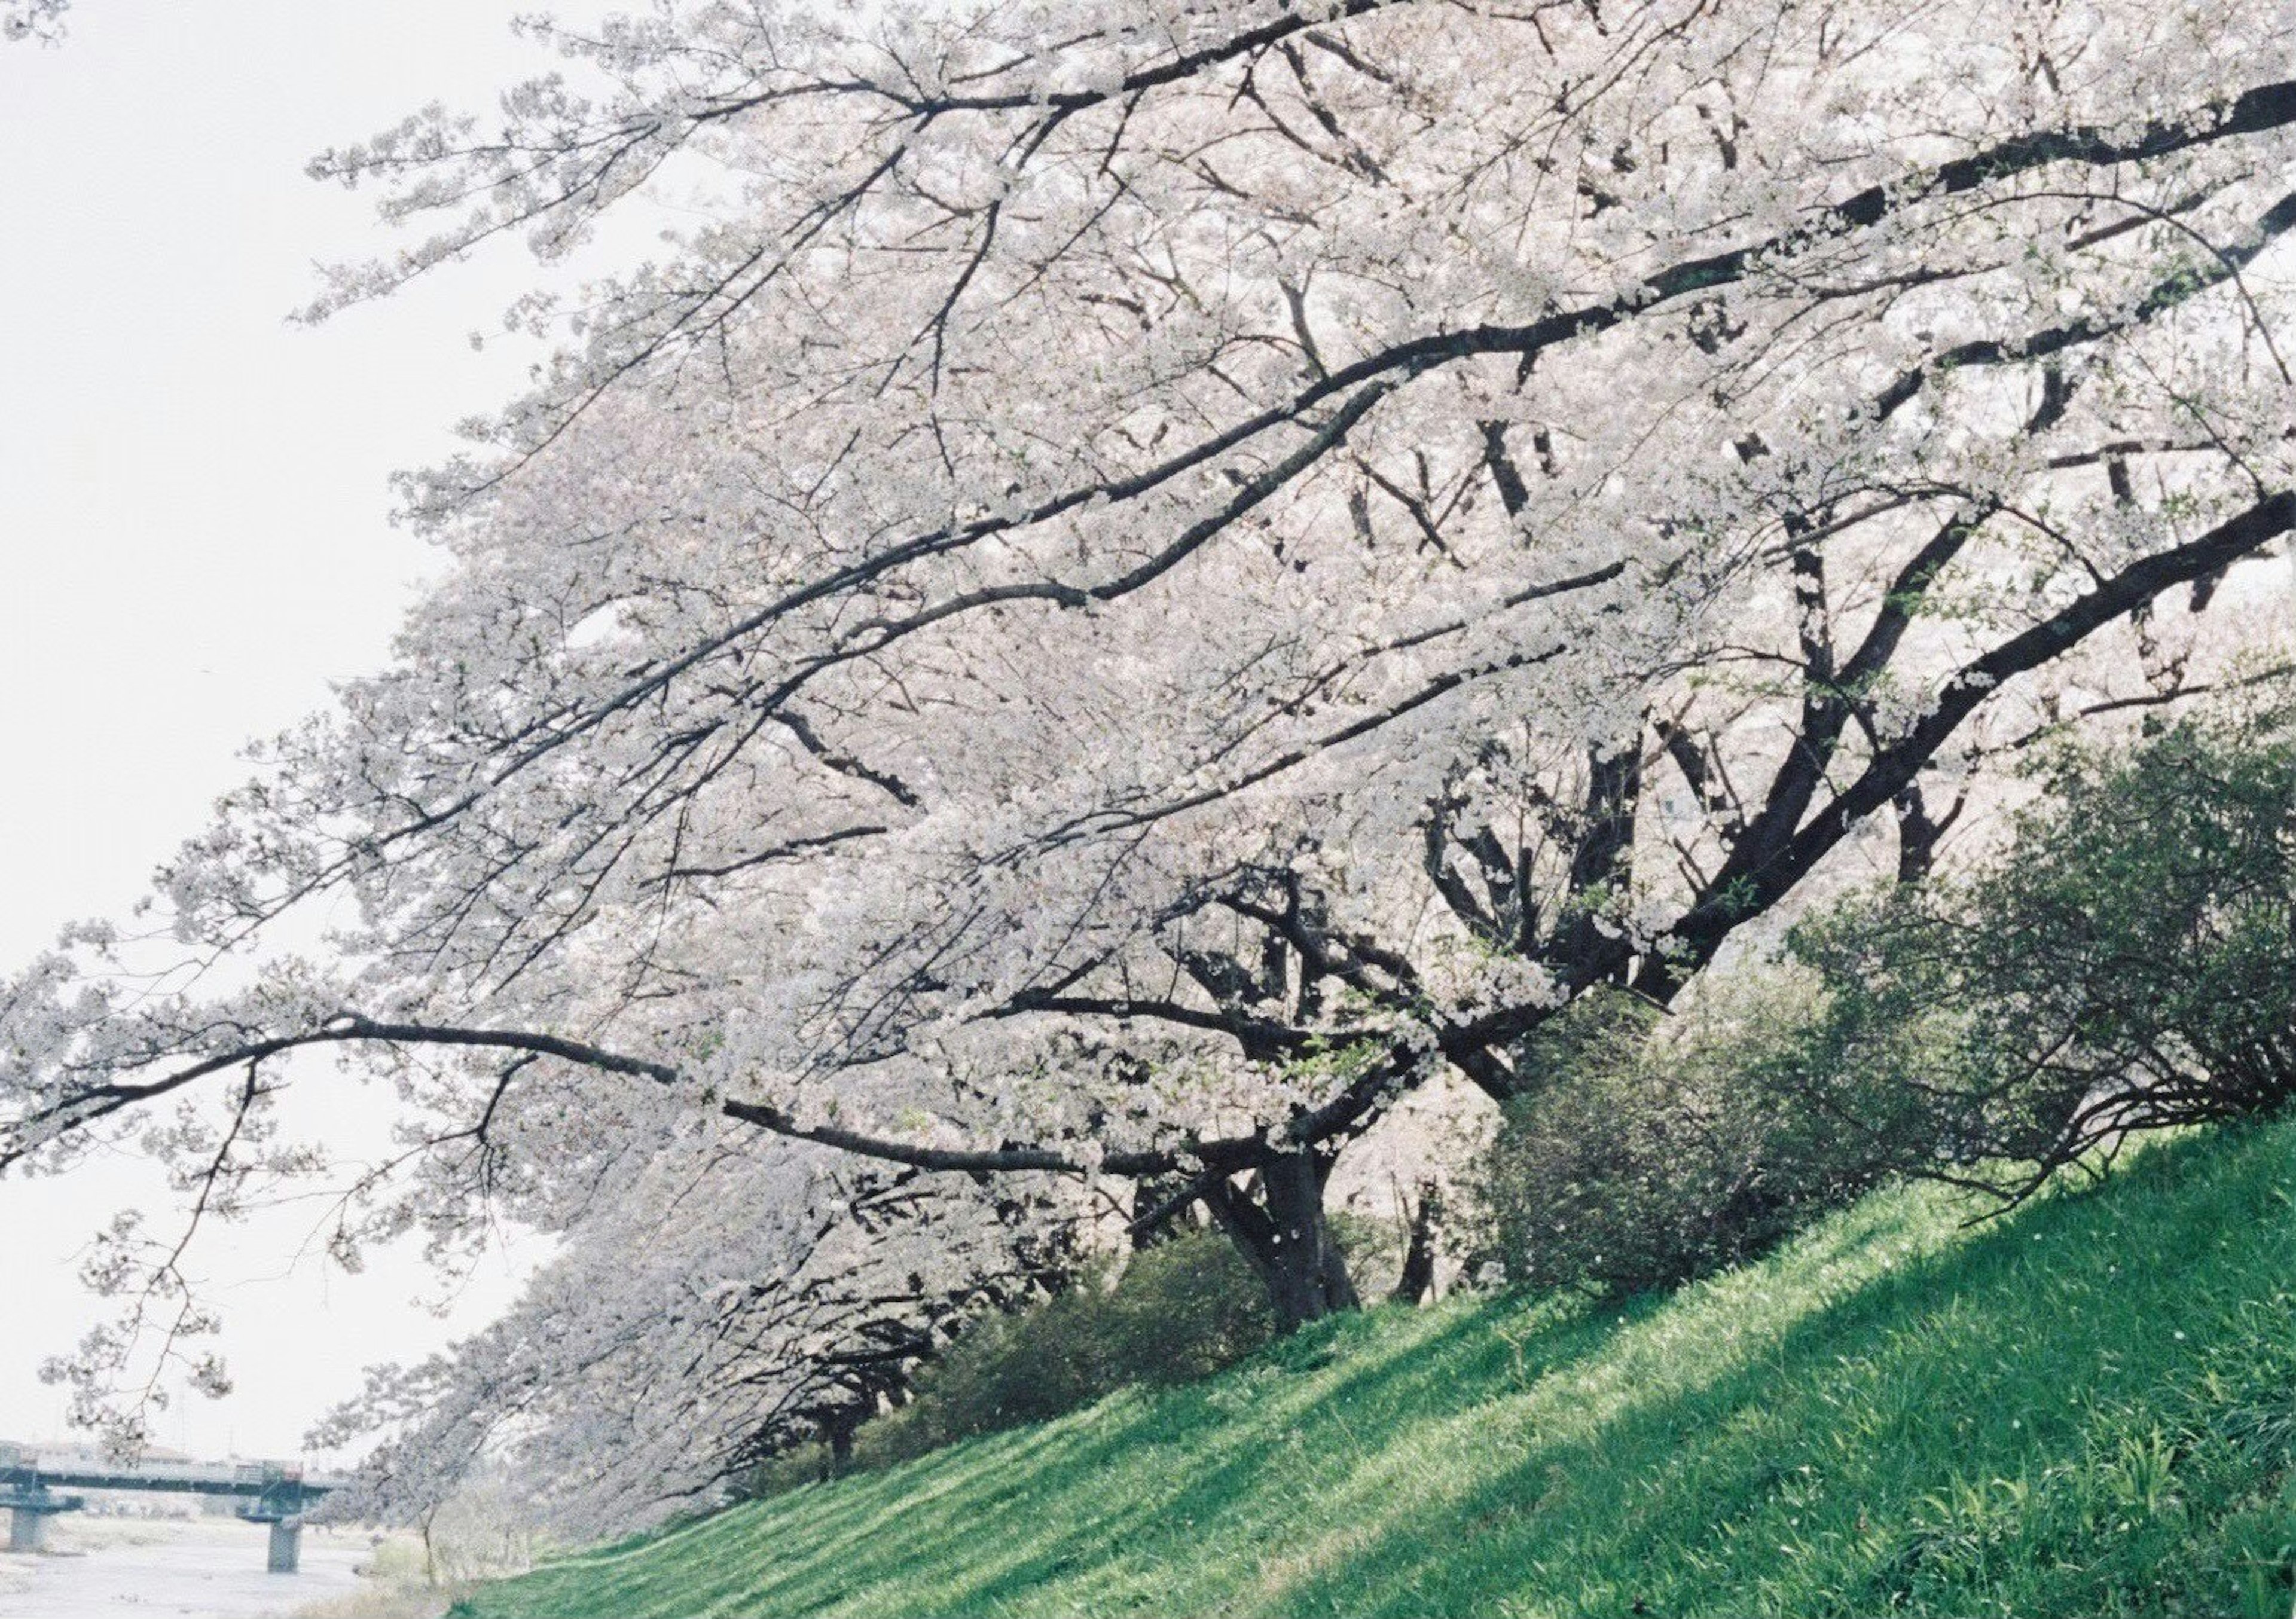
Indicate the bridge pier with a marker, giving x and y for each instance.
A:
(29, 1512)
(277, 1495)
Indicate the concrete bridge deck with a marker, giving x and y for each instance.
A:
(34, 1486)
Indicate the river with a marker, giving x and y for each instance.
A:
(195, 1568)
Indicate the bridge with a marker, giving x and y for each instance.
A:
(33, 1486)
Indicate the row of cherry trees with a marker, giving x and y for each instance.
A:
(1156, 577)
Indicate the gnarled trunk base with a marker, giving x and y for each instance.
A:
(1285, 1235)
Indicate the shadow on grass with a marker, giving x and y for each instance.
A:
(990, 1521)
(1761, 1441)
(1791, 1481)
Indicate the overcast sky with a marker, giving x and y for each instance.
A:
(195, 541)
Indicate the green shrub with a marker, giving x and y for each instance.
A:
(1177, 1312)
(782, 1471)
(2127, 964)
(1181, 1310)
(1659, 1149)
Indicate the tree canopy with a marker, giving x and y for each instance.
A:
(41, 19)
(1152, 577)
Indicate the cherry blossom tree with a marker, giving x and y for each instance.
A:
(703, 1320)
(41, 19)
(1154, 577)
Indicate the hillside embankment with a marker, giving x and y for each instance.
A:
(2086, 1406)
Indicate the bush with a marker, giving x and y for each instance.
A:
(1659, 1149)
(1180, 1311)
(2129, 964)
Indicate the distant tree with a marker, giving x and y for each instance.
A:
(718, 1310)
(1148, 580)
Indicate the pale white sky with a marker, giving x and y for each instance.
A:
(193, 541)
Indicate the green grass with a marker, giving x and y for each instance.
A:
(2086, 1407)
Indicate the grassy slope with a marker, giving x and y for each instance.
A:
(2087, 1407)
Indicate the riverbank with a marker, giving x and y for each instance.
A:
(391, 1586)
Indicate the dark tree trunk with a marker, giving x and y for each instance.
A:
(837, 1442)
(1417, 1281)
(1285, 1235)
(1918, 832)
